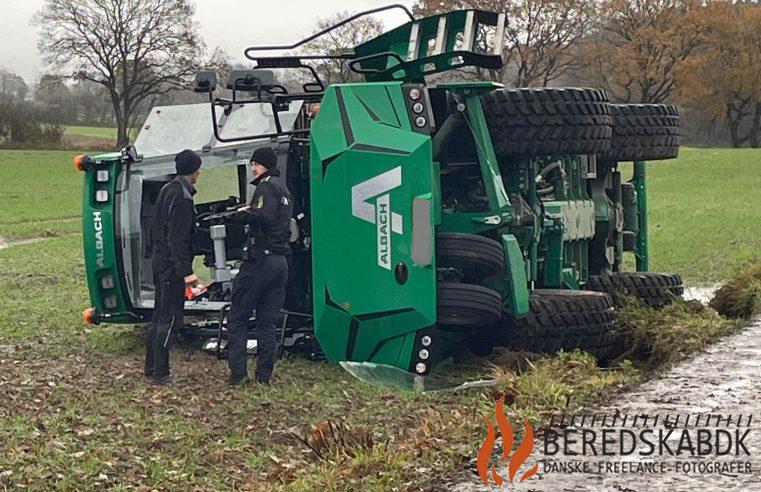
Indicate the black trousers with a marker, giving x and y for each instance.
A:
(260, 286)
(166, 321)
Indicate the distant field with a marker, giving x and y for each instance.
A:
(103, 138)
(91, 131)
(703, 206)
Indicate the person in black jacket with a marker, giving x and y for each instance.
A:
(172, 261)
(261, 280)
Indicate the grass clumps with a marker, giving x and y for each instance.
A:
(740, 297)
(561, 383)
(656, 337)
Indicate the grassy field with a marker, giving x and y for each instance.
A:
(92, 137)
(91, 131)
(40, 194)
(95, 132)
(76, 413)
(704, 212)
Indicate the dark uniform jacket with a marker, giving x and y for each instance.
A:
(269, 218)
(172, 228)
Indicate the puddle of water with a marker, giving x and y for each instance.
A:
(702, 293)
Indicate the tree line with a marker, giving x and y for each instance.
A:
(704, 55)
(111, 60)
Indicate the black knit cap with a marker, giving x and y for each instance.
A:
(265, 156)
(186, 162)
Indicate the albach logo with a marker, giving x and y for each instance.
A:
(518, 458)
(379, 214)
(98, 227)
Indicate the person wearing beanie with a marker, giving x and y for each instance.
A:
(172, 261)
(261, 280)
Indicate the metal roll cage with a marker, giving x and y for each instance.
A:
(282, 97)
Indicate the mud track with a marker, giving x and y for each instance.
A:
(723, 380)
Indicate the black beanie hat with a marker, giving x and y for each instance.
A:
(186, 162)
(265, 156)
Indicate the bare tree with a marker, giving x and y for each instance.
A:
(338, 41)
(642, 44)
(541, 36)
(12, 86)
(136, 49)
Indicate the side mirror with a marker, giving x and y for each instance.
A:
(205, 81)
(313, 87)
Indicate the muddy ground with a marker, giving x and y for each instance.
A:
(725, 379)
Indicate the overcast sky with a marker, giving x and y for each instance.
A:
(230, 24)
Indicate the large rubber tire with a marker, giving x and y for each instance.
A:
(643, 132)
(548, 121)
(477, 257)
(465, 306)
(654, 289)
(567, 320)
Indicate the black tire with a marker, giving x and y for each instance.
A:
(643, 132)
(567, 320)
(548, 121)
(464, 306)
(654, 289)
(477, 257)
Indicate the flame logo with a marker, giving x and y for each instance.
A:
(520, 455)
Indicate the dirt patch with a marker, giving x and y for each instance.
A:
(724, 380)
(7, 244)
(4, 243)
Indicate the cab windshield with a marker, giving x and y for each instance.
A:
(223, 183)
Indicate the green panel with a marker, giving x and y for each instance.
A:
(337, 343)
(640, 185)
(414, 62)
(511, 282)
(367, 167)
(368, 96)
(397, 349)
(99, 242)
(495, 190)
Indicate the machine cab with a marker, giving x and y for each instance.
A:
(120, 192)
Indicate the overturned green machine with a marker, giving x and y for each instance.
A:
(428, 218)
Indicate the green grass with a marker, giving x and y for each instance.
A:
(95, 132)
(740, 297)
(91, 131)
(704, 207)
(40, 193)
(76, 413)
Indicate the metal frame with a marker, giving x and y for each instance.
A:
(318, 34)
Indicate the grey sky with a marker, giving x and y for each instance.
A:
(231, 24)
